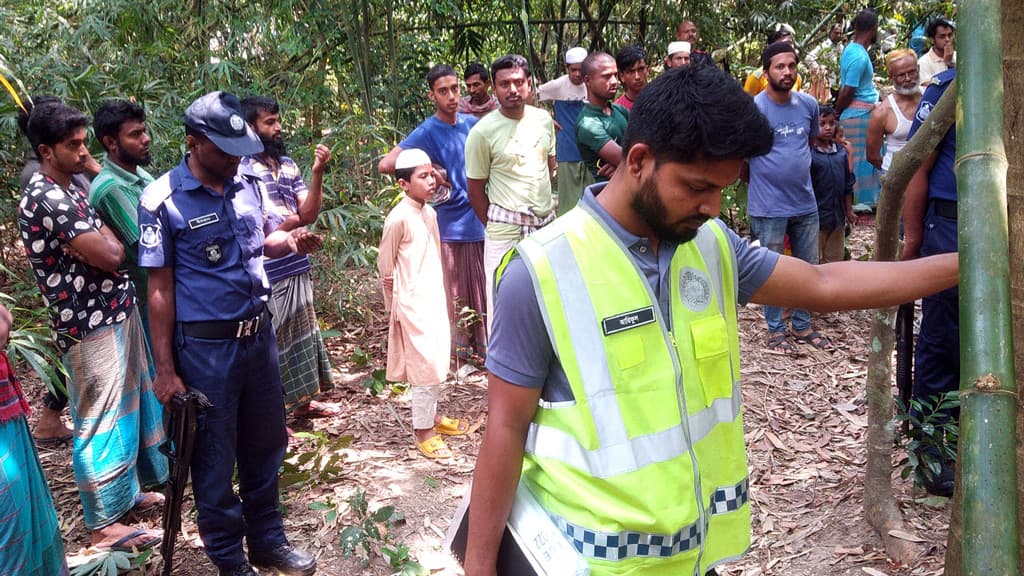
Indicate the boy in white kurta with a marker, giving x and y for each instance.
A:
(412, 279)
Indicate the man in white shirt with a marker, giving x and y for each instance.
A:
(567, 93)
(942, 56)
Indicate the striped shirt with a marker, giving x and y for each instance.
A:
(284, 191)
(115, 193)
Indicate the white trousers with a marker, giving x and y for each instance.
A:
(424, 406)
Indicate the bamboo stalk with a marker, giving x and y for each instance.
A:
(988, 469)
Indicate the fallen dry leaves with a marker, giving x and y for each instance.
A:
(806, 422)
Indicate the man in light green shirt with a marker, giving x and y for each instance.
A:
(120, 126)
(510, 162)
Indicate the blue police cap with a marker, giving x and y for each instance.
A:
(218, 116)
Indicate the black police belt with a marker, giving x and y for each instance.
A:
(944, 208)
(226, 330)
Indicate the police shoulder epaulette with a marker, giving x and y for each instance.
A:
(155, 194)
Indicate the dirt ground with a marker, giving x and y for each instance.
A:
(806, 422)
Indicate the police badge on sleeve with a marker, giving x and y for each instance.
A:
(150, 237)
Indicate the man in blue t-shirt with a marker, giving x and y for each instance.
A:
(929, 227)
(857, 96)
(780, 198)
(443, 137)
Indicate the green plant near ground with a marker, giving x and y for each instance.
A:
(109, 563)
(932, 437)
(377, 383)
(320, 464)
(30, 339)
(359, 358)
(372, 534)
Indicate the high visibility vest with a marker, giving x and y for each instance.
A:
(645, 470)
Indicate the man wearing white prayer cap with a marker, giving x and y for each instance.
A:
(678, 54)
(567, 94)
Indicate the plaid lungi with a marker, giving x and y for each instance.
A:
(118, 420)
(305, 366)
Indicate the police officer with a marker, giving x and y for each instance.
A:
(929, 225)
(202, 238)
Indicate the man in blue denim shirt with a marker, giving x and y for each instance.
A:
(203, 239)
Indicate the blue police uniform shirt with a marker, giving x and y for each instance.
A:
(941, 179)
(213, 241)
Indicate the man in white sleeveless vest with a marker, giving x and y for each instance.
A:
(614, 359)
(891, 119)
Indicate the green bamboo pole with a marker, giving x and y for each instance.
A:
(988, 470)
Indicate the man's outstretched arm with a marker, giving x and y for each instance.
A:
(855, 285)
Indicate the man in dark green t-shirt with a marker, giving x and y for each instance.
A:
(601, 124)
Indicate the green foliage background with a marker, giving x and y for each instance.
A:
(350, 74)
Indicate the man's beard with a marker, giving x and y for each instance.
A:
(780, 86)
(132, 160)
(908, 89)
(648, 205)
(274, 147)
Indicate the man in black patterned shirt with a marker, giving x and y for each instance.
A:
(76, 261)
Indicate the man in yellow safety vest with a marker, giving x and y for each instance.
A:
(614, 355)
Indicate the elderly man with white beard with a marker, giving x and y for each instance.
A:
(891, 119)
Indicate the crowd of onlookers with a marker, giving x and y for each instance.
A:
(198, 279)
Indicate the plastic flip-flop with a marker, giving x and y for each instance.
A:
(121, 545)
(452, 427)
(434, 448)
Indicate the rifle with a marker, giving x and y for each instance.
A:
(181, 438)
(905, 356)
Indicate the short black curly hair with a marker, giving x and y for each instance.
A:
(52, 123)
(933, 26)
(111, 114)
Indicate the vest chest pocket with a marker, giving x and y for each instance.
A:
(627, 351)
(711, 351)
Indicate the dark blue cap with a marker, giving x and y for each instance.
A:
(218, 116)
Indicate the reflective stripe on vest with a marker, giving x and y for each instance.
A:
(633, 454)
(617, 454)
(649, 454)
(622, 545)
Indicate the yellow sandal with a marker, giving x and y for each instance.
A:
(452, 427)
(434, 447)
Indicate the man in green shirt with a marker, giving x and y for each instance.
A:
(601, 124)
(120, 126)
(510, 161)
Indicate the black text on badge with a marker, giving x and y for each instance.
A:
(627, 320)
(203, 220)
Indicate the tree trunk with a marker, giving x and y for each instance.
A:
(879, 505)
(1013, 118)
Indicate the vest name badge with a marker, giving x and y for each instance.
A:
(627, 320)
